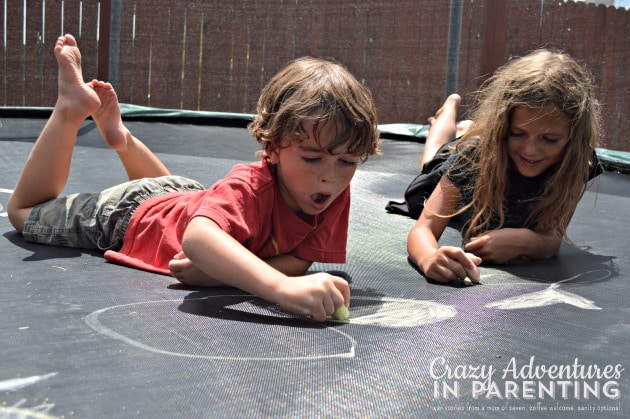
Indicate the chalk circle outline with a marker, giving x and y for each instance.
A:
(366, 316)
(93, 321)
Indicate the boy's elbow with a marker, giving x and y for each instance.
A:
(193, 233)
(17, 216)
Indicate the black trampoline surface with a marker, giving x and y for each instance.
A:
(85, 338)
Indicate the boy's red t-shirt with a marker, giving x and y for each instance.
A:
(247, 205)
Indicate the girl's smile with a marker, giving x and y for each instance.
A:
(537, 138)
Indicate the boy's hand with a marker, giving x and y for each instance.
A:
(187, 273)
(450, 263)
(317, 295)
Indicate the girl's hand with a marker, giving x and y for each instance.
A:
(449, 263)
(317, 295)
(501, 246)
(494, 246)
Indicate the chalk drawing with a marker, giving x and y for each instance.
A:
(198, 337)
(549, 296)
(397, 312)
(17, 410)
(152, 318)
(2, 212)
(382, 312)
(36, 412)
(18, 383)
(8, 412)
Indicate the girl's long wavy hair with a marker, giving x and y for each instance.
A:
(538, 80)
(324, 92)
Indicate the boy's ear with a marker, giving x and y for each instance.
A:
(272, 153)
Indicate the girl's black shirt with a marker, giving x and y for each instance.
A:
(522, 195)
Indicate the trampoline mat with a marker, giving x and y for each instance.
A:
(85, 338)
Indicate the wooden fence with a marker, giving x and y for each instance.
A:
(217, 55)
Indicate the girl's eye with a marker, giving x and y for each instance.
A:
(310, 160)
(550, 140)
(351, 163)
(516, 134)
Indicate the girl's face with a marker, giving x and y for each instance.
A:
(537, 138)
(309, 177)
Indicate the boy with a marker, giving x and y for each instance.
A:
(259, 229)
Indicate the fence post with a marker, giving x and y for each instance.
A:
(452, 50)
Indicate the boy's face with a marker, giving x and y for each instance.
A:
(310, 178)
(537, 138)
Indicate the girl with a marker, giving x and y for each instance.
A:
(516, 174)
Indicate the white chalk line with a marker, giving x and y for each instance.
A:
(93, 321)
(18, 383)
(4, 190)
(20, 412)
(550, 295)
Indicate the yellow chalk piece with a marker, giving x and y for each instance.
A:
(342, 314)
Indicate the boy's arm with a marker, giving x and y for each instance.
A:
(446, 263)
(502, 245)
(289, 265)
(185, 271)
(223, 259)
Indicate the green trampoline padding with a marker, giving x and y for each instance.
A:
(613, 160)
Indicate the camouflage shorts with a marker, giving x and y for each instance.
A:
(97, 220)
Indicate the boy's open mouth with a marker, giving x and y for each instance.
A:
(320, 198)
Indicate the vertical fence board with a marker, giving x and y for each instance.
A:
(136, 54)
(14, 77)
(35, 57)
(52, 30)
(471, 73)
(129, 84)
(239, 49)
(216, 55)
(188, 80)
(87, 36)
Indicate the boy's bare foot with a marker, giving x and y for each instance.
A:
(75, 100)
(107, 117)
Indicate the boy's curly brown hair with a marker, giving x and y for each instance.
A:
(324, 92)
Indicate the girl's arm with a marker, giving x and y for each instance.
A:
(225, 261)
(445, 263)
(502, 245)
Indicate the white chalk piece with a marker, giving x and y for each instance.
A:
(342, 314)
(473, 274)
